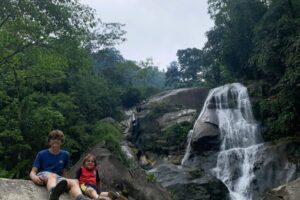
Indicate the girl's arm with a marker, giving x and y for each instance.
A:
(78, 173)
(98, 180)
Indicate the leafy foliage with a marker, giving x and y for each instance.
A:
(58, 69)
(255, 42)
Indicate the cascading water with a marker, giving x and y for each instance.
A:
(239, 135)
(240, 138)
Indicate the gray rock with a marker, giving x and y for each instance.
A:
(188, 183)
(205, 137)
(190, 97)
(169, 119)
(15, 189)
(116, 176)
(276, 164)
(290, 191)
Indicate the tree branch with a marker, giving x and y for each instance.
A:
(6, 59)
(5, 20)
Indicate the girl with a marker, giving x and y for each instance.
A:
(89, 180)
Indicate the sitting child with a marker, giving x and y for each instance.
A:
(89, 181)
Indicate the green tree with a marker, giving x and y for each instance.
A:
(276, 57)
(190, 62)
(173, 75)
(45, 48)
(230, 41)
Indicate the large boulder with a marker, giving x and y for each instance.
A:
(205, 137)
(189, 183)
(190, 97)
(15, 189)
(276, 164)
(117, 177)
(206, 132)
(172, 118)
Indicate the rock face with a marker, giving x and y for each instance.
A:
(290, 191)
(116, 176)
(172, 118)
(176, 106)
(14, 189)
(277, 164)
(192, 184)
(190, 97)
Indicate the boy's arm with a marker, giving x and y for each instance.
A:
(36, 179)
(65, 173)
(66, 164)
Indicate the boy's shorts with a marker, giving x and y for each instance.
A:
(84, 186)
(45, 174)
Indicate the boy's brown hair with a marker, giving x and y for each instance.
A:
(56, 134)
(90, 157)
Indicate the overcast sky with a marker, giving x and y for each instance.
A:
(156, 28)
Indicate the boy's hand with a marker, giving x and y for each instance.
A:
(38, 180)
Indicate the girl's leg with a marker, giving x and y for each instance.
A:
(74, 188)
(91, 193)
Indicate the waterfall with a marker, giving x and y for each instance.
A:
(188, 148)
(240, 138)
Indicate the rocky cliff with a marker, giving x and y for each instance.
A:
(159, 132)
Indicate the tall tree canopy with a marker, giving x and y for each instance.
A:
(255, 42)
(44, 55)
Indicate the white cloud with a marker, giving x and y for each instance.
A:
(156, 28)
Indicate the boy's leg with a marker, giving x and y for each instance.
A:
(55, 184)
(51, 180)
(60, 188)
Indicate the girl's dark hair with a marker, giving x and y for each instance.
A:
(90, 157)
(56, 134)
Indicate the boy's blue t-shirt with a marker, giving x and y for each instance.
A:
(46, 161)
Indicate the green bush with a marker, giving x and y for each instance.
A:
(177, 134)
(111, 135)
(160, 108)
(174, 136)
(151, 177)
(278, 114)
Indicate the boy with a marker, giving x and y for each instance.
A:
(49, 168)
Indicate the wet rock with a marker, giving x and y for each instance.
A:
(290, 191)
(188, 183)
(205, 137)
